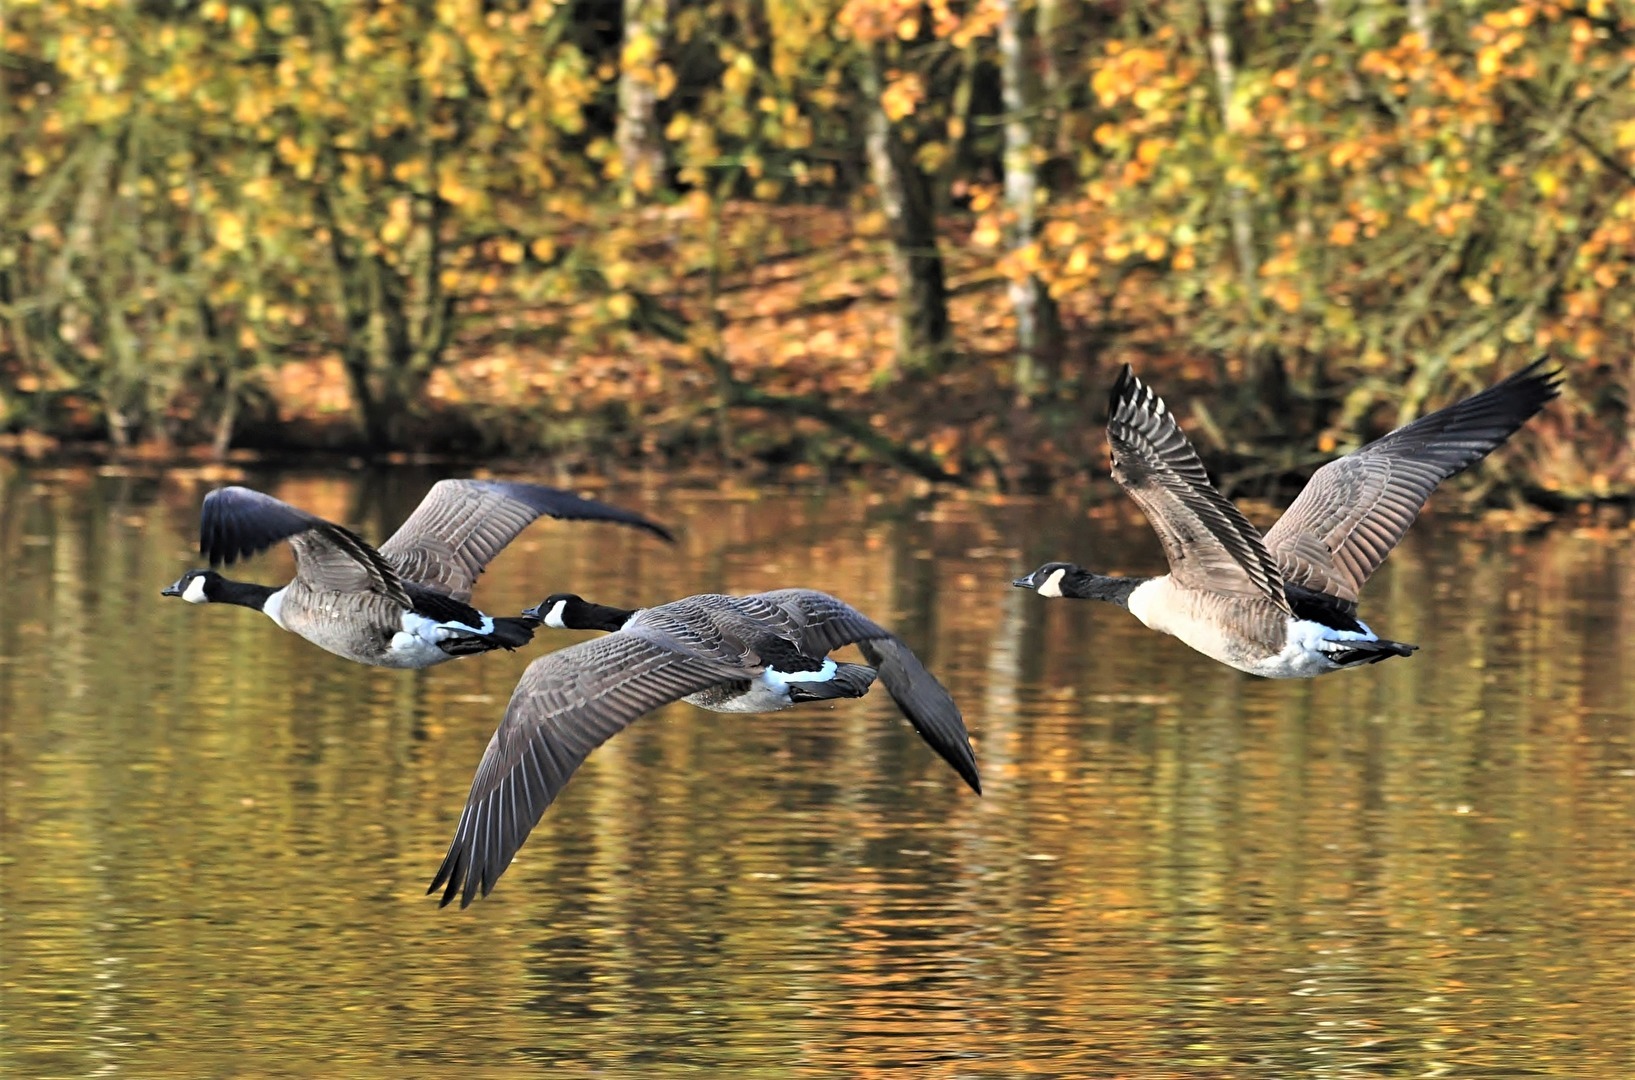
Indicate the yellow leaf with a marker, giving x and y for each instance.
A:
(640, 50)
(1343, 234)
(1285, 295)
(230, 231)
(452, 191)
(902, 96)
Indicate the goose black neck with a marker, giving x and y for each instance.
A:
(243, 593)
(1089, 586)
(588, 616)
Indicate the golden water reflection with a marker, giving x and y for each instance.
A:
(214, 838)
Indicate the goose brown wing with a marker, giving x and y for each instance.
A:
(1210, 545)
(565, 705)
(822, 623)
(819, 622)
(711, 625)
(461, 525)
(1355, 509)
(236, 522)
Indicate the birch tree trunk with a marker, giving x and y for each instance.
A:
(1037, 325)
(1419, 20)
(1243, 232)
(636, 133)
(923, 330)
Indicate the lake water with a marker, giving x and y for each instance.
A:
(215, 839)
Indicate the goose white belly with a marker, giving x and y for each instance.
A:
(1268, 644)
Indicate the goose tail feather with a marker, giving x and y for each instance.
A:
(850, 681)
(1370, 652)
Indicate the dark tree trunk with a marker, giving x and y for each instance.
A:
(923, 329)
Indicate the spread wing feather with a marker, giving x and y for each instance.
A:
(461, 525)
(1210, 545)
(571, 701)
(566, 704)
(1355, 509)
(236, 522)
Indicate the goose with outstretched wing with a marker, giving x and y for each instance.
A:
(1283, 605)
(759, 653)
(403, 606)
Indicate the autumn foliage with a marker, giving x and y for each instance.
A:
(673, 230)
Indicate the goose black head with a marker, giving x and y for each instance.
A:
(570, 611)
(197, 587)
(559, 611)
(1055, 579)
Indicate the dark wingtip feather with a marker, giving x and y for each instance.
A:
(656, 529)
(926, 704)
(1503, 407)
(1544, 385)
(566, 505)
(446, 879)
(648, 525)
(238, 522)
(1125, 388)
(963, 761)
(967, 770)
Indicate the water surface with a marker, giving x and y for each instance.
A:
(215, 838)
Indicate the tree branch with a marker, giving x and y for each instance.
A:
(745, 395)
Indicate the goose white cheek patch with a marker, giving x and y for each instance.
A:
(194, 593)
(553, 617)
(1053, 584)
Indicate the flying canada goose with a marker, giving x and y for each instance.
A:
(403, 606)
(1284, 605)
(758, 653)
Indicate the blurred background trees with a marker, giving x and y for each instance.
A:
(814, 233)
